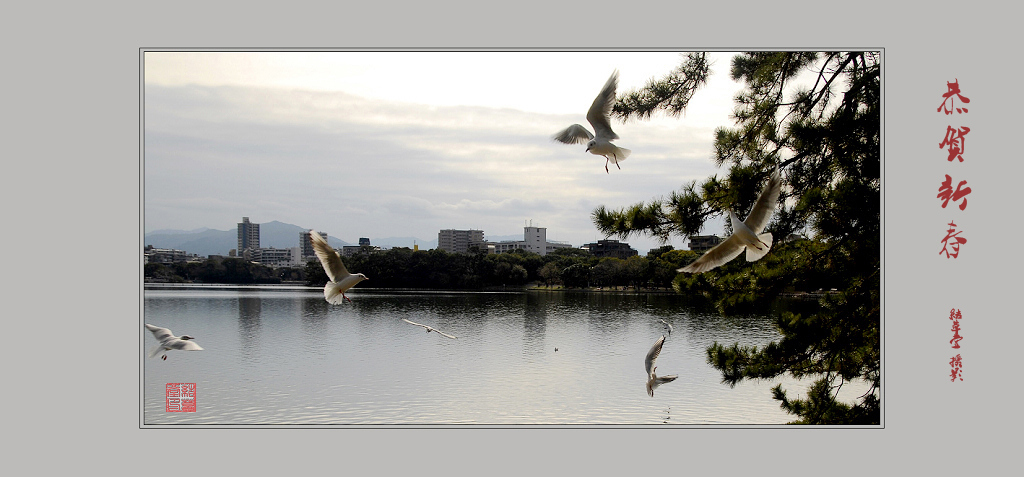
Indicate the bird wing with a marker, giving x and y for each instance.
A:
(761, 213)
(161, 334)
(330, 259)
(184, 345)
(602, 107)
(430, 329)
(721, 254)
(574, 134)
(414, 323)
(445, 334)
(652, 355)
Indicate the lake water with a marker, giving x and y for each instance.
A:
(277, 355)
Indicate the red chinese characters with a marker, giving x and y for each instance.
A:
(953, 89)
(957, 365)
(955, 315)
(946, 192)
(954, 144)
(954, 140)
(953, 244)
(180, 397)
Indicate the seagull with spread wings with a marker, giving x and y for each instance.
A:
(340, 278)
(169, 342)
(429, 329)
(746, 235)
(654, 380)
(599, 143)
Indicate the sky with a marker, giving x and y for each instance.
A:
(403, 144)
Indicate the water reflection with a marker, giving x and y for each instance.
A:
(358, 363)
(535, 316)
(249, 310)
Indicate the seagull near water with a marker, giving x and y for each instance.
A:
(429, 329)
(746, 235)
(340, 278)
(599, 143)
(669, 326)
(654, 380)
(170, 342)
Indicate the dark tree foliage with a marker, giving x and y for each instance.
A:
(670, 94)
(437, 269)
(234, 271)
(826, 140)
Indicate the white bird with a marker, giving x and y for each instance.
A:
(170, 342)
(669, 326)
(340, 279)
(429, 329)
(746, 235)
(598, 143)
(654, 380)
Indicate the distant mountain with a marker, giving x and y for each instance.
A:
(207, 242)
(174, 232)
(204, 241)
(391, 242)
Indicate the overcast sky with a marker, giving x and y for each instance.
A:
(398, 144)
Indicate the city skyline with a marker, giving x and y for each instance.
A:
(347, 142)
(508, 240)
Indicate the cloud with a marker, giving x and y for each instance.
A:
(358, 167)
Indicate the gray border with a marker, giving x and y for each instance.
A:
(72, 78)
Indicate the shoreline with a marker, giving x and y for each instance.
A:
(301, 286)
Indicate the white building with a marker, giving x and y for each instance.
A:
(535, 239)
(168, 255)
(279, 257)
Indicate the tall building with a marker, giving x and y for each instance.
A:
(459, 241)
(248, 235)
(536, 239)
(306, 246)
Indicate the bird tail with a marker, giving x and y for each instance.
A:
(621, 154)
(155, 350)
(332, 292)
(754, 254)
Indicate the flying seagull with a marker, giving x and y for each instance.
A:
(429, 329)
(746, 235)
(341, 280)
(669, 327)
(170, 342)
(654, 380)
(598, 143)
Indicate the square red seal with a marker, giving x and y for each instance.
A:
(181, 397)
